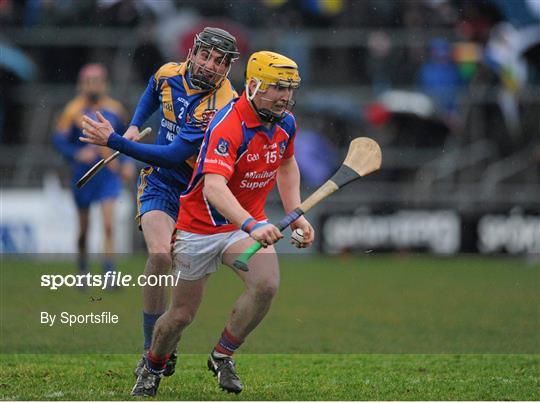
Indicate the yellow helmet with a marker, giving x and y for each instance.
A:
(270, 68)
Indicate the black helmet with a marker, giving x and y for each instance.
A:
(212, 39)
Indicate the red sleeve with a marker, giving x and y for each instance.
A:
(223, 144)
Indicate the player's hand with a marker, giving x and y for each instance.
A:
(309, 232)
(132, 133)
(267, 234)
(87, 155)
(96, 132)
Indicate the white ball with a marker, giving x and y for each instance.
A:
(297, 237)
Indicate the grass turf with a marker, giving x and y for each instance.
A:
(391, 327)
(281, 377)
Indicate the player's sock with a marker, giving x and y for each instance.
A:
(108, 265)
(156, 365)
(227, 345)
(82, 264)
(149, 321)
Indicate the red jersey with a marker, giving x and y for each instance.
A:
(238, 147)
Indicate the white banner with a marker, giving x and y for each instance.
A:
(45, 221)
(438, 231)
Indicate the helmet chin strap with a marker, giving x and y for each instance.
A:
(265, 114)
(251, 96)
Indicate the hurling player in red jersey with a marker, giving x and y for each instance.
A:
(187, 95)
(248, 146)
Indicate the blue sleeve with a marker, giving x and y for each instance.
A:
(191, 134)
(147, 105)
(167, 156)
(66, 148)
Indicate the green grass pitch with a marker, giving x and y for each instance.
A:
(373, 327)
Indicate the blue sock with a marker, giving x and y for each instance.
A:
(149, 321)
(82, 264)
(108, 265)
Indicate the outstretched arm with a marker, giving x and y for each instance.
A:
(167, 156)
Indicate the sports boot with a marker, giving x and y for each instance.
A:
(147, 383)
(224, 369)
(170, 366)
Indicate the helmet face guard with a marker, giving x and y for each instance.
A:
(271, 69)
(211, 39)
(267, 114)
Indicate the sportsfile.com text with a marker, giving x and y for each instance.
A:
(106, 280)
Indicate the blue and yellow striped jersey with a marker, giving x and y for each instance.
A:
(184, 111)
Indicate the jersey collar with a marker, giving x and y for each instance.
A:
(249, 116)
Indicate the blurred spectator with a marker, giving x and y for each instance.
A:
(351, 44)
(321, 13)
(379, 61)
(444, 13)
(104, 188)
(131, 13)
(372, 14)
(519, 13)
(534, 8)
(316, 157)
(407, 119)
(439, 77)
(147, 57)
(15, 67)
(56, 12)
(476, 19)
(467, 55)
(500, 80)
(6, 11)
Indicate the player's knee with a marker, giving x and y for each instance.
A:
(107, 229)
(160, 262)
(267, 288)
(181, 317)
(160, 249)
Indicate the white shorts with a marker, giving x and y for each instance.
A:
(196, 255)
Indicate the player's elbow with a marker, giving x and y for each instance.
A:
(288, 167)
(209, 190)
(212, 188)
(170, 161)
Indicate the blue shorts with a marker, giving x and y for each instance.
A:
(106, 185)
(154, 194)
